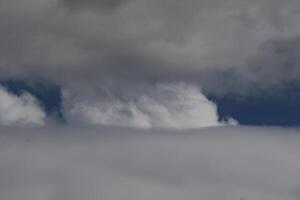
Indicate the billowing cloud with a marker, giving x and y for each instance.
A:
(152, 40)
(20, 110)
(131, 164)
(176, 105)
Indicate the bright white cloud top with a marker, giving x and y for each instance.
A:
(228, 163)
(20, 110)
(169, 105)
(176, 105)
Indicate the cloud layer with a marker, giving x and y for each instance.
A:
(152, 40)
(20, 110)
(130, 164)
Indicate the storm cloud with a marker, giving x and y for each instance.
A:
(150, 40)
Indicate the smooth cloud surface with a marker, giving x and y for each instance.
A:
(20, 110)
(130, 164)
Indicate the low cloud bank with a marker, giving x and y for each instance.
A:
(172, 105)
(228, 163)
(20, 110)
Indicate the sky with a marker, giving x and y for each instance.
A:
(149, 99)
(241, 55)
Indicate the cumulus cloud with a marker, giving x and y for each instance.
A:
(20, 110)
(176, 105)
(130, 164)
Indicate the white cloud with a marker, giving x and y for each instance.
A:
(20, 110)
(228, 163)
(176, 105)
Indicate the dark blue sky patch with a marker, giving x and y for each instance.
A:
(48, 94)
(276, 107)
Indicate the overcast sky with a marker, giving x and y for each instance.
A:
(67, 41)
(146, 99)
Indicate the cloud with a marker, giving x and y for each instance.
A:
(223, 47)
(20, 110)
(104, 163)
(151, 40)
(173, 105)
(94, 4)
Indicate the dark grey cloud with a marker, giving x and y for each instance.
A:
(94, 4)
(149, 40)
(103, 163)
